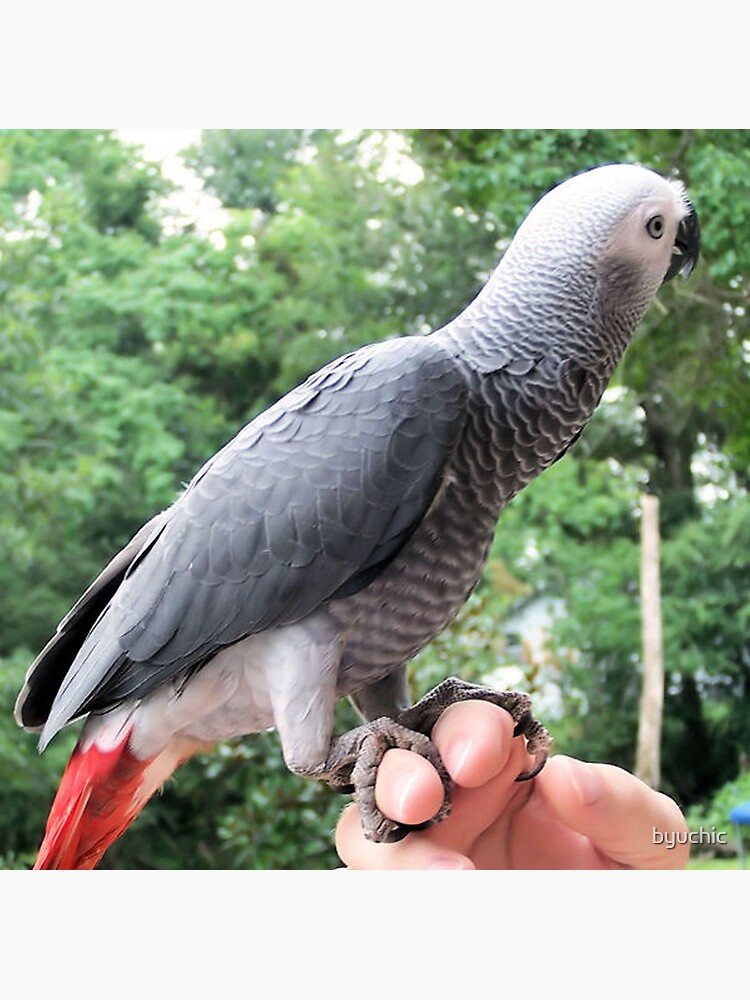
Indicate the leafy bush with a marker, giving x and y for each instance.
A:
(714, 813)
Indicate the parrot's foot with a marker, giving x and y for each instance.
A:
(354, 759)
(423, 716)
(353, 763)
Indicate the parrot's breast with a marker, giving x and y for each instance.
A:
(429, 581)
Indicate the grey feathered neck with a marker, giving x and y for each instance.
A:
(526, 312)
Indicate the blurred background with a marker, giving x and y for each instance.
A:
(160, 288)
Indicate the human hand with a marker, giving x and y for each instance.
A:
(572, 815)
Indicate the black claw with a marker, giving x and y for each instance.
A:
(395, 833)
(523, 723)
(532, 773)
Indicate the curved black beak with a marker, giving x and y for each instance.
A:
(687, 246)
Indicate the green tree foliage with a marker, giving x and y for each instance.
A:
(244, 167)
(130, 351)
(343, 254)
(95, 436)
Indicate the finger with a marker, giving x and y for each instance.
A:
(408, 789)
(532, 836)
(620, 814)
(474, 739)
(416, 852)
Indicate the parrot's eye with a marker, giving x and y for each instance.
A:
(655, 227)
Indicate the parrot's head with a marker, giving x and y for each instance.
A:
(648, 226)
(602, 243)
(622, 212)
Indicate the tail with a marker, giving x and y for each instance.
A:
(103, 789)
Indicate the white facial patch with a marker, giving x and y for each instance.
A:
(682, 203)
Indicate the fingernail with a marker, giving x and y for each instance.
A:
(585, 780)
(402, 791)
(457, 756)
(449, 862)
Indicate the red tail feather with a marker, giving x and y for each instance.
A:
(99, 796)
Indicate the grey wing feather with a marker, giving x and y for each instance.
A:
(46, 673)
(307, 503)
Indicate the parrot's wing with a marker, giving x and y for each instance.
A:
(307, 503)
(46, 673)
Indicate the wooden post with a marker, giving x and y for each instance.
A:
(648, 760)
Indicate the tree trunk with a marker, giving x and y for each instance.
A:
(648, 760)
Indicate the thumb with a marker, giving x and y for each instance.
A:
(625, 820)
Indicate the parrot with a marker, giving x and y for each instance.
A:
(342, 529)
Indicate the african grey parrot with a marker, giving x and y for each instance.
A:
(342, 529)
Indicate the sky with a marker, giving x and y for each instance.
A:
(161, 143)
(190, 203)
